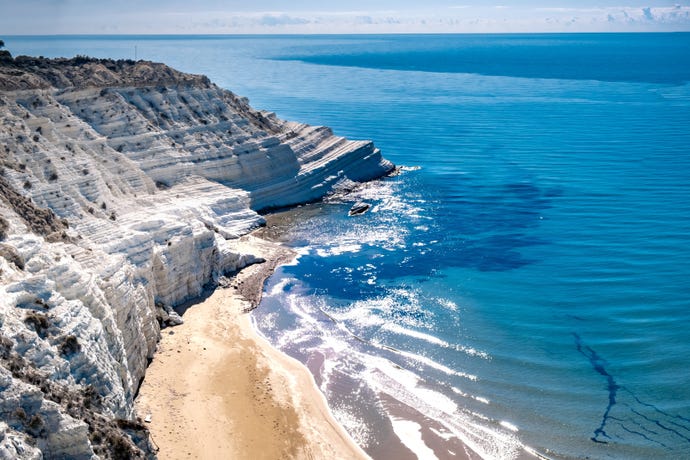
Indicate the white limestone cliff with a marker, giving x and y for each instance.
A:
(123, 191)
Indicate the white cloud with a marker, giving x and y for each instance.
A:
(271, 20)
(452, 18)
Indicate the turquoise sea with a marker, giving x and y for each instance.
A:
(524, 283)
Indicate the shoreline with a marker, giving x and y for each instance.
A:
(405, 432)
(217, 389)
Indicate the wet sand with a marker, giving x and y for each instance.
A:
(216, 389)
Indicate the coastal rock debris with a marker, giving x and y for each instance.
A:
(359, 208)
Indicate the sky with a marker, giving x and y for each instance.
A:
(48, 17)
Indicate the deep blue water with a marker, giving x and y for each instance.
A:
(525, 281)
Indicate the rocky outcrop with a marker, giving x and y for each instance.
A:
(123, 190)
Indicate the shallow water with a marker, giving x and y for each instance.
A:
(527, 285)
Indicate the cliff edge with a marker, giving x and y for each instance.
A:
(124, 187)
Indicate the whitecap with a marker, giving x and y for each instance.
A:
(338, 250)
(410, 434)
(280, 287)
(415, 334)
(447, 304)
(480, 399)
(472, 352)
(432, 364)
(509, 426)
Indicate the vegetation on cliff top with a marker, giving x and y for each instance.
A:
(28, 72)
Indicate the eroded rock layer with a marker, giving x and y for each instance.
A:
(124, 188)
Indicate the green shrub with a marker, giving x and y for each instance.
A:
(4, 226)
(12, 255)
(19, 414)
(69, 346)
(39, 321)
(5, 347)
(36, 427)
(90, 397)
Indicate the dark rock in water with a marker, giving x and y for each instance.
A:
(359, 208)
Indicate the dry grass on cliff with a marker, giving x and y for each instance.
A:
(4, 226)
(40, 220)
(110, 438)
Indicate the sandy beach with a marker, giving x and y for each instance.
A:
(216, 389)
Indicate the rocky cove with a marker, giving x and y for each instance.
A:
(125, 187)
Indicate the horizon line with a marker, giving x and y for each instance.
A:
(296, 34)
